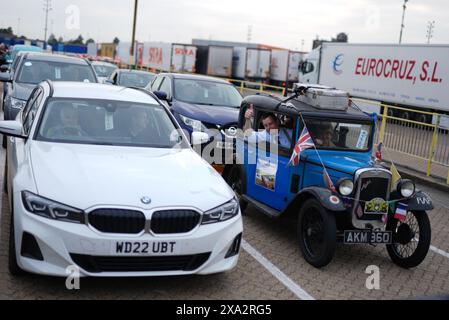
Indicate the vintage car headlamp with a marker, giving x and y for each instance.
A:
(345, 186)
(50, 209)
(17, 103)
(406, 188)
(221, 213)
(196, 125)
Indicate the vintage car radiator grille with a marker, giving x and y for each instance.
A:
(374, 188)
(371, 186)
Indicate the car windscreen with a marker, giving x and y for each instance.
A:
(340, 135)
(134, 79)
(104, 70)
(35, 71)
(106, 122)
(207, 93)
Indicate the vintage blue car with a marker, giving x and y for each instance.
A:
(318, 167)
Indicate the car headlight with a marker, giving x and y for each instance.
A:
(17, 103)
(221, 213)
(345, 187)
(406, 188)
(192, 123)
(51, 209)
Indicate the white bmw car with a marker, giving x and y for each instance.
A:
(98, 177)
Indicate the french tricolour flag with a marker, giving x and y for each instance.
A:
(401, 212)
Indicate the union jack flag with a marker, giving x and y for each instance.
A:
(304, 142)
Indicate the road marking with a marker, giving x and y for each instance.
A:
(439, 251)
(282, 277)
(441, 203)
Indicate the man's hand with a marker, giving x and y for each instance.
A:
(249, 113)
(248, 120)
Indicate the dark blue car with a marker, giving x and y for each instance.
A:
(201, 103)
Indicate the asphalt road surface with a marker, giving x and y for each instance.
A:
(270, 267)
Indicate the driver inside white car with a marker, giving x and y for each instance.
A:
(69, 123)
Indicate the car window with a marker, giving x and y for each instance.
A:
(104, 70)
(333, 134)
(31, 114)
(156, 83)
(204, 92)
(134, 79)
(166, 86)
(106, 122)
(307, 67)
(33, 71)
(15, 63)
(272, 128)
(29, 102)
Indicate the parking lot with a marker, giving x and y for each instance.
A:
(270, 267)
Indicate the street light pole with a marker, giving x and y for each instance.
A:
(430, 27)
(402, 23)
(47, 9)
(133, 38)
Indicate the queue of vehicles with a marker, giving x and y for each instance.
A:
(143, 214)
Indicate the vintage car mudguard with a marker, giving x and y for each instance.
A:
(328, 200)
(419, 202)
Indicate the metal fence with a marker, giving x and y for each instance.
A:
(427, 142)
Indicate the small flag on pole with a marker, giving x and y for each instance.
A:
(395, 177)
(327, 181)
(304, 142)
(379, 151)
(401, 212)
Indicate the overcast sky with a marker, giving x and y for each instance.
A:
(281, 23)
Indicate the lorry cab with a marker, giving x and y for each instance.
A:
(309, 67)
(334, 187)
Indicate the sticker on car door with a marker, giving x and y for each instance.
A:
(266, 174)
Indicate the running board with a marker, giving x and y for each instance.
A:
(272, 213)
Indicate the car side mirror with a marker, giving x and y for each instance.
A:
(161, 95)
(199, 137)
(5, 77)
(4, 68)
(12, 128)
(108, 81)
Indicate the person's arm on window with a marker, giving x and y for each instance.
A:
(249, 117)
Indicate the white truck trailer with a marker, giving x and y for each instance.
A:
(285, 66)
(412, 76)
(215, 61)
(170, 57)
(251, 64)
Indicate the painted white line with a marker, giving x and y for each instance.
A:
(441, 203)
(439, 251)
(282, 277)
